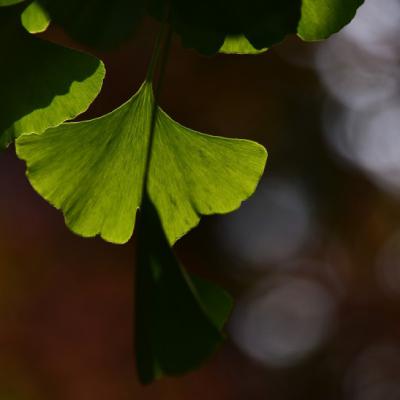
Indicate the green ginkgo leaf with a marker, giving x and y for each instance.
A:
(42, 84)
(94, 170)
(322, 18)
(239, 44)
(34, 18)
(179, 319)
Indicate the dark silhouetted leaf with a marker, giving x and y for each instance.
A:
(178, 320)
(205, 25)
(98, 23)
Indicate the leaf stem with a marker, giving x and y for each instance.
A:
(151, 70)
(158, 64)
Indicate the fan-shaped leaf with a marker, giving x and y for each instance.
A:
(42, 84)
(205, 25)
(94, 170)
(178, 318)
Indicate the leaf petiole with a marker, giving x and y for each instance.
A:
(158, 63)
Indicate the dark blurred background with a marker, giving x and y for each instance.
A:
(313, 259)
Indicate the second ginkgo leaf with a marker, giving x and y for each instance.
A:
(179, 317)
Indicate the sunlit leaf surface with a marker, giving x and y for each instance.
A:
(322, 18)
(94, 170)
(238, 44)
(34, 18)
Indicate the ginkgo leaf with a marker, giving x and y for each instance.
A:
(238, 44)
(178, 318)
(215, 301)
(42, 84)
(94, 170)
(268, 22)
(98, 23)
(34, 18)
(205, 25)
(321, 18)
(198, 24)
